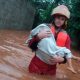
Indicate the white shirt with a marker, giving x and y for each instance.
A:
(47, 47)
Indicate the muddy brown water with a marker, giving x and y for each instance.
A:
(15, 57)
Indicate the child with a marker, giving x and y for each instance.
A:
(48, 49)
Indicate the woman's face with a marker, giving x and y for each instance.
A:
(59, 21)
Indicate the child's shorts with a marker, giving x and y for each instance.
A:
(39, 67)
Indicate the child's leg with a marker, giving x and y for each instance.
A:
(76, 58)
(70, 67)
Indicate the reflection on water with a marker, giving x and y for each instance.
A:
(15, 58)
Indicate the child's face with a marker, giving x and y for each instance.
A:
(59, 21)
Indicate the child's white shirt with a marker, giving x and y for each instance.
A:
(47, 47)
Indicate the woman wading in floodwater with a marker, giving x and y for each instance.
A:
(38, 64)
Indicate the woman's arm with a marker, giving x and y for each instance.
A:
(58, 59)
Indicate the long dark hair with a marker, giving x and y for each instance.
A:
(51, 20)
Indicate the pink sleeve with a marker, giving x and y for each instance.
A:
(68, 42)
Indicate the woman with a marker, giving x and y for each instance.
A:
(60, 16)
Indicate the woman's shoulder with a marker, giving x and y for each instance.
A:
(64, 31)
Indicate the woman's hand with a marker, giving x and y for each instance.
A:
(57, 59)
(43, 34)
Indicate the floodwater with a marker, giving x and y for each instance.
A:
(15, 57)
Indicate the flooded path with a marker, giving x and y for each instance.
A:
(15, 58)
